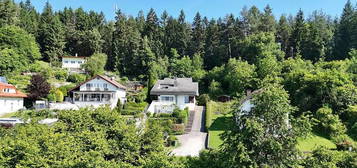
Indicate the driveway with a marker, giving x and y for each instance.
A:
(192, 143)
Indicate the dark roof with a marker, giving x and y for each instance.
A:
(115, 83)
(175, 86)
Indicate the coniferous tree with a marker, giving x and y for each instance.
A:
(283, 34)
(9, 12)
(51, 35)
(212, 57)
(252, 19)
(317, 41)
(198, 34)
(343, 35)
(267, 23)
(183, 35)
(297, 35)
(28, 18)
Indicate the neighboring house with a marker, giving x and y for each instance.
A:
(97, 91)
(11, 100)
(247, 106)
(73, 63)
(171, 93)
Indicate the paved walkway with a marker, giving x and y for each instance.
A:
(192, 143)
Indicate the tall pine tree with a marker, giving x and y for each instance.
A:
(343, 35)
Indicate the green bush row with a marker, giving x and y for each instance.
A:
(209, 111)
(132, 108)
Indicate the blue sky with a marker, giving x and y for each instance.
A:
(209, 8)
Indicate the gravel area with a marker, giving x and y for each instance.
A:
(192, 143)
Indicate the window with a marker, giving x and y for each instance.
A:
(88, 86)
(79, 62)
(167, 98)
(187, 99)
(73, 62)
(66, 62)
(105, 86)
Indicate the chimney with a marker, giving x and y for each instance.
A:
(76, 55)
(112, 78)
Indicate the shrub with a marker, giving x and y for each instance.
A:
(181, 115)
(132, 108)
(51, 97)
(76, 78)
(164, 115)
(203, 99)
(42, 68)
(171, 141)
(330, 123)
(353, 131)
(64, 89)
(208, 119)
(61, 74)
(59, 96)
(178, 129)
(351, 114)
(343, 142)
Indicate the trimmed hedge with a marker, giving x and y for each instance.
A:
(132, 108)
(209, 111)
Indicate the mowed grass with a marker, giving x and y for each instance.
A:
(219, 125)
(8, 115)
(221, 121)
(312, 142)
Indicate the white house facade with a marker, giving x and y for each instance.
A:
(97, 91)
(11, 100)
(72, 62)
(172, 93)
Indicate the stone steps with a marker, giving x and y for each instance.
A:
(188, 127)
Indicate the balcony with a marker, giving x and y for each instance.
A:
(95, 89)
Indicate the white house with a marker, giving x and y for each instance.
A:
(247, 106)
(73, 63)
(171, 93)
(11, 100)
(97, 91)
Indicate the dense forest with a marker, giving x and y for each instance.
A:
(305, 63)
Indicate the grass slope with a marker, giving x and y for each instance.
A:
(220, 121)
(313, 141)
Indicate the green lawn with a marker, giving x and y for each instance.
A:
(8, 115)
(313, 141)
(220, 123)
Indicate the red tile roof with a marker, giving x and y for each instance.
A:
(115, 83)
(8, 86)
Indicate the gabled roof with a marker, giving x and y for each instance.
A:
(8, 86)
(175, 86)
(113, 82)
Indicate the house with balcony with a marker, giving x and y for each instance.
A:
(169, 93)
(11, 99)
(97, 91)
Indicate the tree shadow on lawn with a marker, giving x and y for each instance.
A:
(221, 123)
